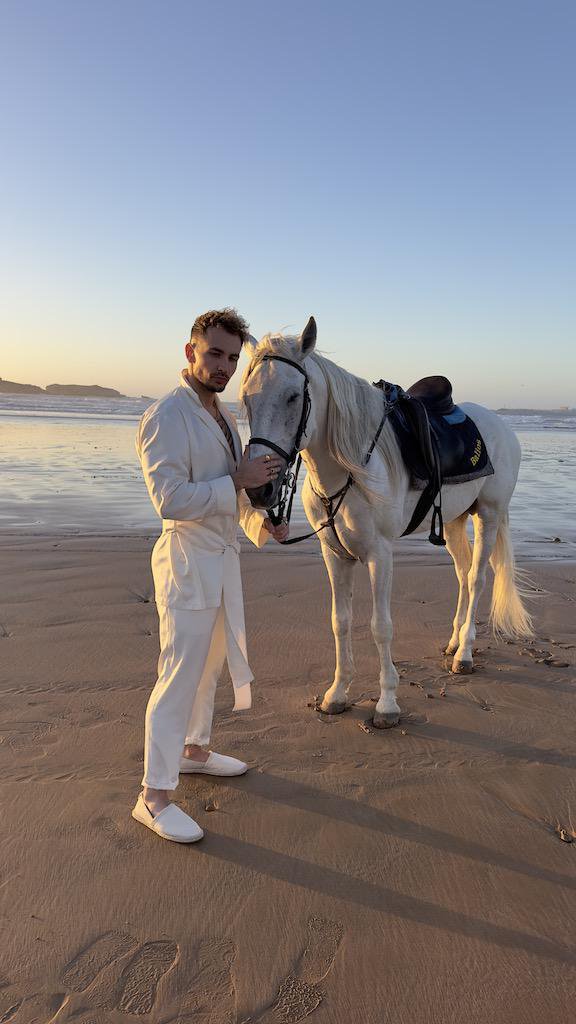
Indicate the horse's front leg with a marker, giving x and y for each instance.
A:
(387, 711)
(341, 573)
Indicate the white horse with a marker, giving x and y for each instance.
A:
(344, 416)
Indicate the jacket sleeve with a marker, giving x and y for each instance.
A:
(164, 452)
(252, 520)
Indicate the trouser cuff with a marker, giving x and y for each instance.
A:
(154, 784)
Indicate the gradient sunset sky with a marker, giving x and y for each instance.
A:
(403, 171)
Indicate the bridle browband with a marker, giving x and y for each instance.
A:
(288, 486)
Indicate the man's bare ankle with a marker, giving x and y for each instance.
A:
(155, 799)
(196, 753)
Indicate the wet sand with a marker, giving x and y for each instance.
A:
(353, 876)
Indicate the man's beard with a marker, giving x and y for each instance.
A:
(208, 385)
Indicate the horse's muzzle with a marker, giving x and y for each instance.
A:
(265, 496)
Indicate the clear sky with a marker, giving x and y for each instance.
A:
(403, 171)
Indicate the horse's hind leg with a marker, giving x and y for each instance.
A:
(486, 522)
(341, 573)
(386, 712)
(461, 550)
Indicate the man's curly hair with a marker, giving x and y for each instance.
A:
(229, 319)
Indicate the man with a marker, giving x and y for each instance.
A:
(195, 472)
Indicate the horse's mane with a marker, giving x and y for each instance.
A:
(354, 413)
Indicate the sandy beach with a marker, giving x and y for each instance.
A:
(354, 876)
(236, 234)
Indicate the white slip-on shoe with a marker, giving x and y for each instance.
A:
(171, 823)
(217, 764)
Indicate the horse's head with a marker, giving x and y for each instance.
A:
(275, 394)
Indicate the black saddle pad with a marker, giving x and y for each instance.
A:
(463, 454)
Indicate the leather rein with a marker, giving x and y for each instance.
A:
(288, 487)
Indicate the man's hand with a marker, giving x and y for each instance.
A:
(256, 472)
(279, 532)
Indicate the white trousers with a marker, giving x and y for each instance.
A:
(181, 705)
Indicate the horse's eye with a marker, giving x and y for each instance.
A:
(292, 398)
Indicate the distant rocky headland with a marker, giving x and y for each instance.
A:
(83, 391)
(10, 387)
(562, 411)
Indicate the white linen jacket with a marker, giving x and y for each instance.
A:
(187, 462)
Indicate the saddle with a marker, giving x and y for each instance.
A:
(439, 444)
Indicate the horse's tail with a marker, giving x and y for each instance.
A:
(508, 616)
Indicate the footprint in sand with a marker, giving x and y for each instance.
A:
(90, 1019)
(86, 965)
(295, 1000)
(211, 995)
(120, 837)
(93, 715)
(299, 994)
(19, 735)
(37, 1008)
(140, 978)
(10, 1002)
(324, 938)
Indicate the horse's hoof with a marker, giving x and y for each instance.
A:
(463, 668)
(386, 720)
(335, 708)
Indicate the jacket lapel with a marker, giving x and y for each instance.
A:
(209, 420)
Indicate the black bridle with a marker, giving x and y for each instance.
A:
(290, 457)
(289, 483)
(290, 480)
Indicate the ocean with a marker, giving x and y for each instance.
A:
(69, 466)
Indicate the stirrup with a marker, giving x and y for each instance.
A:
(436, 535)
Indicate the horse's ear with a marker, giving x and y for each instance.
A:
(308, 337)
(250, 343)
